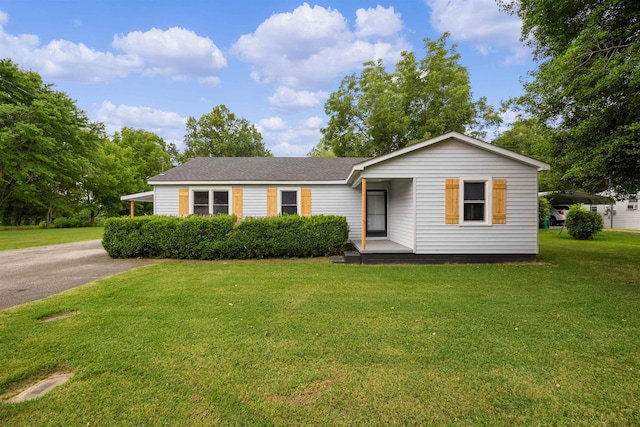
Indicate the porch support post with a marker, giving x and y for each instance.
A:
(364, 213)
(132, 208)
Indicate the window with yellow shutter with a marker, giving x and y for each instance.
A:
(475, 201)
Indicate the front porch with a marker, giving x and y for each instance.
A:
(381, 246)
(378, 251)
(385, 251)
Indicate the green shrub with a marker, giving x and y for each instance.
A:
(583, 224)
(63, 222)
(544, 208)
(221, 237)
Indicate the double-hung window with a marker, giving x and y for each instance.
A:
(288, 202)
(475, 201)
(201, 202)
(211, 202)
(220, 202)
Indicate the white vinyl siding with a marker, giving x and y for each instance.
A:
(333, 199)
(453, 159)
(401, 212)
(254, 199)
(339, 200)
(623, 218)
(166, 200)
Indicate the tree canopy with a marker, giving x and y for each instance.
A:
(55, 162)
(587, 86)
(221, 134)
(45, 141)
(122, 165)
(377, 111)
(531, 137)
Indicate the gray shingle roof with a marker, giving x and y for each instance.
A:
(232, 169)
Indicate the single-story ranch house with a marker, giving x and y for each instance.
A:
(452, 198)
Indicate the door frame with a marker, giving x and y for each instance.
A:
(378, 233)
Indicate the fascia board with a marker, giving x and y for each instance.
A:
(240, 183)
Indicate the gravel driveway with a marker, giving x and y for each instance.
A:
(35, 273)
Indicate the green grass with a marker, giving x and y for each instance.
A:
(305, 342)
(19, 239)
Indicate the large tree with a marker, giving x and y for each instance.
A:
(221, 134)
(532, 138)
(587, 86)
(44, 146)
(123, 165)
(377, 111)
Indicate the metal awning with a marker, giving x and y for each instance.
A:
(147, 196)
(571, 197)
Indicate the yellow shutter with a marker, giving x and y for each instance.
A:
(451, 201)
(305, 201)
(183, 202)
(272, 202)
(499, 201)
(237, 203)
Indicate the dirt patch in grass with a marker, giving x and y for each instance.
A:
(306, 395)
(58, 316)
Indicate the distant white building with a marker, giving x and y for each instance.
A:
(622, 214)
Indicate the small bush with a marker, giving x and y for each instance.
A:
(583, 224)
(544, 208)
(220, 237)
(63, 222)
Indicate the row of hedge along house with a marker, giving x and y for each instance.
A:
(222, 237)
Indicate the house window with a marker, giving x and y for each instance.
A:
(211, 202)
(288, 202)
(474, 201)
(220, 202)
(201, 202)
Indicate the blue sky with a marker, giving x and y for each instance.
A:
(153, 64)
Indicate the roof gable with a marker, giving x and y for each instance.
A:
(451, 135)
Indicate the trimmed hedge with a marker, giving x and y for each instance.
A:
(220, 237)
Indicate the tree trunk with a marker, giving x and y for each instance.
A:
(49, 216)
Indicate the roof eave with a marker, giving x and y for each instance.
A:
(228, 183)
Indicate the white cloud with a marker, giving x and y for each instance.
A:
(378, 22)
(312, 123)
(167, 124)
(286, 149)
(311, 46)
(176, 53)
(288, 99)
(482, 23)
(211, 80)
(293, 141)
(272, 124)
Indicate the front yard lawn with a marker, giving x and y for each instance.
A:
(305, 342)
(19, 239)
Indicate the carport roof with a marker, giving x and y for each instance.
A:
(571, 197)
(147, 196)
